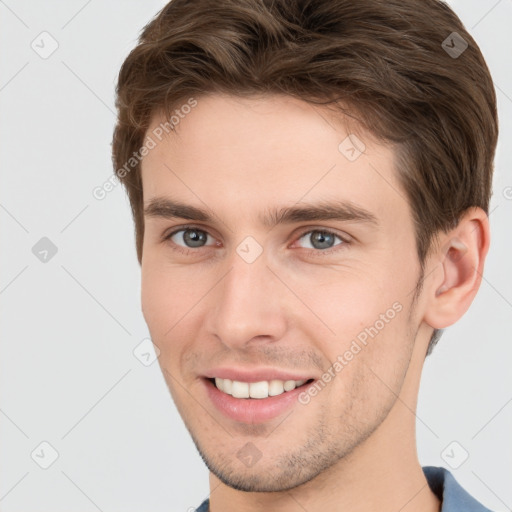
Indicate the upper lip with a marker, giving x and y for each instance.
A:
(254, 375)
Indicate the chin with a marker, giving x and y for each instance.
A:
(284, 471)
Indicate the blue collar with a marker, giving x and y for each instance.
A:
(452, 496)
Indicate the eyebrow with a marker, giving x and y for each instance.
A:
(166, 208)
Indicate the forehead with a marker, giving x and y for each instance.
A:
(247, 152)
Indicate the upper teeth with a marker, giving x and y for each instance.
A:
(262, 389)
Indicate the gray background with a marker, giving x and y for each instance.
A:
(68, 374)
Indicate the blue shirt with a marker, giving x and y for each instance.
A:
(452, 496)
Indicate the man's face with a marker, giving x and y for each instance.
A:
(233, 297)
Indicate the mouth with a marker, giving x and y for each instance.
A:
(253, 402)
(257, 390)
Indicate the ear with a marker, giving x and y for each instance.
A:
(460, 258)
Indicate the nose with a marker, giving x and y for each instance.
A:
(249, 305)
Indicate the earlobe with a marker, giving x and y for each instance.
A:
(461, 257)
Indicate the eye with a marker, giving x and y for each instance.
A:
(322, 240)
(188, 237)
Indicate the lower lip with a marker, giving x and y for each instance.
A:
(252, 410)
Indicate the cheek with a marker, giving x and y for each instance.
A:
(366, 311)
(165, 289)
(350, 300)
(161, 296)
(370, 362)
(160, 311)
(170, 299)
(152, 294)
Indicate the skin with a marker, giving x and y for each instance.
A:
(353, 446)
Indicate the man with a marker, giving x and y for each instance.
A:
(310, 185)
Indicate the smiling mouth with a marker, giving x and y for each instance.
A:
(257, 390)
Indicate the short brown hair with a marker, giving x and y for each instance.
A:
(387, 61)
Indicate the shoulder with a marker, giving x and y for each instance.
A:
(204, 506)
(452, 495)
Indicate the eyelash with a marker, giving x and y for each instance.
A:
(315, 252)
